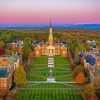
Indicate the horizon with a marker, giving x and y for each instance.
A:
(74, 26)
(38, 12)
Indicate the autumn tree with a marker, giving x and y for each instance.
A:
(78, 69)
(87, 47)
(14, 48)
(2, 44)
(72, 46)
(97, 85)
(19, 50)
(98, 44)
(55, 39)
(76, 56)
(80, 78)
(8, 52)
(30, 56)
(88, 91)
(20, 76)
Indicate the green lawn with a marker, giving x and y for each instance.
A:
(41, 60)
(48, 95)
(60, 60)
(49, 91)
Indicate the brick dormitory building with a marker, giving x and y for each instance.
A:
(91, 60)
(8, 64)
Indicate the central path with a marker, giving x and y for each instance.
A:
(50, 61)
(51, 65)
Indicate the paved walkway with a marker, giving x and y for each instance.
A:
(50, 79)
(50, 61)
(69, 82)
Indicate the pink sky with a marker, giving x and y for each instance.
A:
(39, 11)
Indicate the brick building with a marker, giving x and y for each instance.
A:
(8, 64)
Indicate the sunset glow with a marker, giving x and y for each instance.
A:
(39, 11)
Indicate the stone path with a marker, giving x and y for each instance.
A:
(50, 61)
(51, 65)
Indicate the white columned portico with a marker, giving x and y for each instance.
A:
(51, 50)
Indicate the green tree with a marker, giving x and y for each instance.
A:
(20, 76)
(81, 47)
(87, 47)
(76, 56)
(26, 50)
(72, 46)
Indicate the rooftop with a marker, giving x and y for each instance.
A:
(96, 72)
(3, 72)
(11, 60)
(90, 59)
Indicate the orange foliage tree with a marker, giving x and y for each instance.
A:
(30, 56)
(80, 78)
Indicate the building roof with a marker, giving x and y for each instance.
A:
(96, 72)
(11, 60)
(90, 59)
(14, 40)
(83, 54)
(3, 72)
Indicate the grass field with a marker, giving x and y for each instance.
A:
(60, 60)
(48, 95)
(41, 60)
(40, 90)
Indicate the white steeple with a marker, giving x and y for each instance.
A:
(50, 35)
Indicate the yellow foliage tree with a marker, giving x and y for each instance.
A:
(8, 52)
(80, 78)
(88, 90)
(20, 76)
(14, 49)
(2, 44)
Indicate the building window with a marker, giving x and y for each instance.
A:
(3, 83)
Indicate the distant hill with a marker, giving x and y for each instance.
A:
(89, 26)
(84, 26)
(43, 30)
